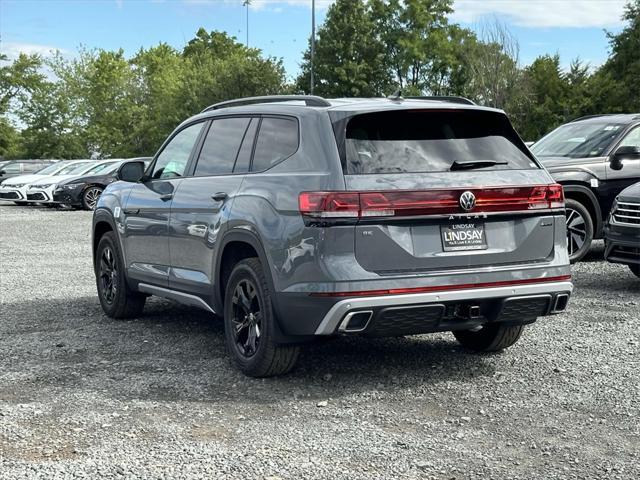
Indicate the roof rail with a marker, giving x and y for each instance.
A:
(444, 98)
(309, 100)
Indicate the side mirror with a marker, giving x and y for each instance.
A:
(130, 172)
(626, 152)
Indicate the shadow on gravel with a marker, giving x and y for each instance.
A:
(177, 353)
(596, 253)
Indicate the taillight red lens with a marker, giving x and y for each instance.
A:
(329, 204)
(406, 203)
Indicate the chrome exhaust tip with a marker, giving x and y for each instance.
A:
(355, 322)
(560, 303)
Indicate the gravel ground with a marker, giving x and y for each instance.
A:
(84, 396)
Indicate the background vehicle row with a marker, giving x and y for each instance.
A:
(75, 183)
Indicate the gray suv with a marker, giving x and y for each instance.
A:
(297, 218)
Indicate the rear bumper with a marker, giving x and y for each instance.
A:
(442, 310)
(450, 310)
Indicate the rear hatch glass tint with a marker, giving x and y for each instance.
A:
(422, 141)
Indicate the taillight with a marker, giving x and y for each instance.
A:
(407, 203)
(329, 204)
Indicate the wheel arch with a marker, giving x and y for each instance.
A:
(102, 223)
(583, 194)
(236, 245)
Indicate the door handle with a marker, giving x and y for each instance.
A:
(219, 197)
(166, 197)
(131, 211)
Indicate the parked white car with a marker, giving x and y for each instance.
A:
(15, 188)
(42, 190)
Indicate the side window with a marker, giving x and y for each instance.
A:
(277, 139)
(632, 139)
(244, 155)
(220, 148)
(172, 161)
(12, 168)
(29, 167)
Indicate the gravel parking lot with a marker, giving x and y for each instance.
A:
(84, 396)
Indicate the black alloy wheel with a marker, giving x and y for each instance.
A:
(250, 324)
(117, 298)
(108, 275)
(247, 318)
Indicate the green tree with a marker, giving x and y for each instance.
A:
(18, 78)
(218, 67)
(349, 59)
(9, 140)
(160, 75)
(620, 74)
(419, 42)
(547, 91)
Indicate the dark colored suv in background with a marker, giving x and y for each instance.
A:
(622, 230)
(594, 158)
(297, 218)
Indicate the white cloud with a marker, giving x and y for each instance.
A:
(13, 49)
(544, 13)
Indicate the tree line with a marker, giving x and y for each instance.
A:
(101, 103)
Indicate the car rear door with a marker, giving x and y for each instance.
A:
(445, 189)
(202, 202)
(146, 212)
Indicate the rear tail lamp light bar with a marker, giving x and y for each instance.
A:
(404, 203)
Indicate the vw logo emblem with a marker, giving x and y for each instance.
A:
(467, 201)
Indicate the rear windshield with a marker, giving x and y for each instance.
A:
(431, 141)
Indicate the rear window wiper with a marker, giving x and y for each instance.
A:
(471, 164)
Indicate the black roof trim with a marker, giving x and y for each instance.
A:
(309, 100)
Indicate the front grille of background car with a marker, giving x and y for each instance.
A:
(625, 253)
(9, 195)
(627, 214)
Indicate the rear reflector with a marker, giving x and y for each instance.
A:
(441, 288)
(404, 203)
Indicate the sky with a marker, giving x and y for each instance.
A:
(280, 28)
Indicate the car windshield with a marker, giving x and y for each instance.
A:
(73, 168)
(578, 140)
(432, 141)
(49, 169)
(101, 168)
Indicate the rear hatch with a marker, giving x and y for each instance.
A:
(445, 189)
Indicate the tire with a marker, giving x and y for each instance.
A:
(119, 301)
(90, 197)
(490, 338)
(579, 230)
(635, 269)
(249, 324)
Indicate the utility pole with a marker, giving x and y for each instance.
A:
(246, 3)
(313, 40)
